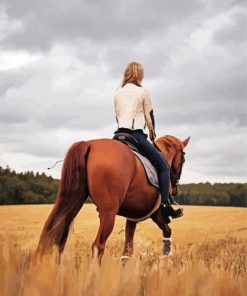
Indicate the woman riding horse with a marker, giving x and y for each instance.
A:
(108, 172)
(133, 108)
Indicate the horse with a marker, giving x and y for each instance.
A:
(109, 173)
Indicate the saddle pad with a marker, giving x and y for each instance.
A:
(149, 169)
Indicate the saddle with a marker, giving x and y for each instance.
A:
(131, 142)
(127, 140)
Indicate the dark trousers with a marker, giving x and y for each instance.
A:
(158, 160)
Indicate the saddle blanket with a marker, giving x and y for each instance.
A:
(149, 169)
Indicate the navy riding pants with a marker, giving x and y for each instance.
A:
(158, 160)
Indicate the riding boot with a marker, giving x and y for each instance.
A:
(167, 210)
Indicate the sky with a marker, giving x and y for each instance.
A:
(61, 62)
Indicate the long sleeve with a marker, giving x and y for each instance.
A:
(149, 116)
(115, 109)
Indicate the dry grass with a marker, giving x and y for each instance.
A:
(210, 256)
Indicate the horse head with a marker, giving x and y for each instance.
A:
(172, 148)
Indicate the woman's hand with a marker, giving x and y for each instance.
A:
(152, 135)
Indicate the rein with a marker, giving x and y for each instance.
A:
(53, 166)
(175, 176)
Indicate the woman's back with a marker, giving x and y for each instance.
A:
(129, 106)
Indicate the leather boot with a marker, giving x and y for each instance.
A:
(168, 210)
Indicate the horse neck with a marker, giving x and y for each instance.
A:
(170, 157)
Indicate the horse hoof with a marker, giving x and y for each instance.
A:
(124, 259)
(165, 256)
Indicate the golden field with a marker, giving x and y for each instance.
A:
(209, 258)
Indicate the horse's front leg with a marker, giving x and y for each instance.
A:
(167, 249)
(167, 232)
(130, 228)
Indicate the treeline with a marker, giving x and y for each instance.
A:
(217, 194)
(35, 188)
(26, 188)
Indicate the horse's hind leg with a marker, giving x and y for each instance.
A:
(159, 220)
(107, 220)
(130, 228)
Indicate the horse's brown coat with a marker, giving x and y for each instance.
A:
(116, 181)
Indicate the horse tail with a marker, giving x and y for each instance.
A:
(71, 196)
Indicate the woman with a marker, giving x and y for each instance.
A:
(133, 108)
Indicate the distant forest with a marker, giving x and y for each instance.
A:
(35, 188)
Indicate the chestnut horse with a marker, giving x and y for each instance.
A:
(114, 178)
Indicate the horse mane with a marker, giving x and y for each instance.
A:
(168, 142)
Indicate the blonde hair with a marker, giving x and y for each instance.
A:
(133, 73)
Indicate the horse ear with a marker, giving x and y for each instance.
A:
(185, 142)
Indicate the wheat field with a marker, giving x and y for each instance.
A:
(209, 256)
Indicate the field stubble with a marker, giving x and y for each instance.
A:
(210, 256)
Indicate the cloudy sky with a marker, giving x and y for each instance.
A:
(61, 61)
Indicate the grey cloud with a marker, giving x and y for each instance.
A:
(11, 79)
(36, 144)
(11, 115)
(207, 91)
(92, 114)
(215, 151)
(39, 99)
(118, 56)
(242, 118)
(30, 138)
(14, 111)
(46, 22)
(236, 29)
(196, 92)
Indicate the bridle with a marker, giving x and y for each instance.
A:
(176, 172)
